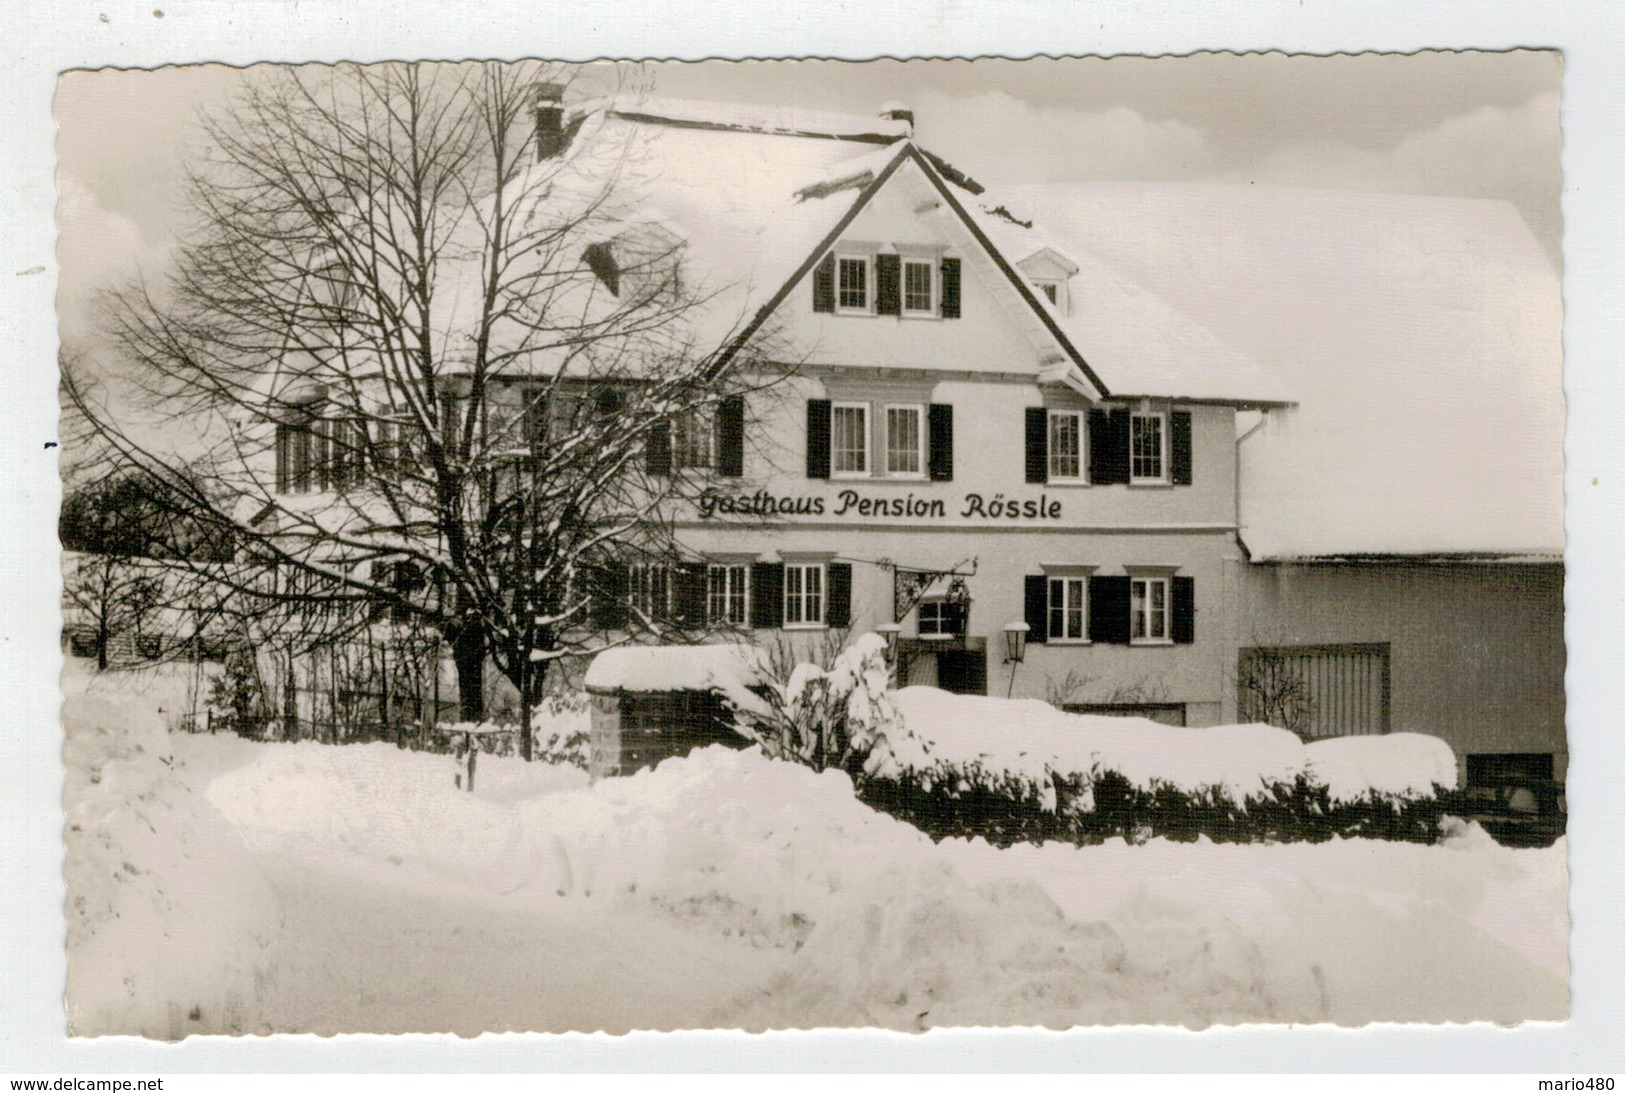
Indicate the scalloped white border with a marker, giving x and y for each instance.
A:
(48, 36)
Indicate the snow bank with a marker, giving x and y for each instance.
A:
(165, 921)
(647, 668)
(858, 919)
(947, 737)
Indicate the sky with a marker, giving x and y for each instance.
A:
(1460, 124)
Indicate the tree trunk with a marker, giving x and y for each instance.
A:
(468, 655)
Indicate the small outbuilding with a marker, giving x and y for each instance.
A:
(652, 702)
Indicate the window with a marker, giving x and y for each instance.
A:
(1050, 289)
(919, 296)
(728, 595)
(804, 594)
(852, 283)
(1148, 610)
(693, 439)
(1147, 440)
(1066, 446)
(905, 441)
(1068, 609)
(649, 589)
(320, 454)
(849, 438)
(941, 618)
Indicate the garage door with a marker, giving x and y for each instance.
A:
(1316, 690)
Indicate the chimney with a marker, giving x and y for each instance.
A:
(896, 111)
(549, 111)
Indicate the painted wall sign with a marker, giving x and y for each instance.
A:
(849, 502)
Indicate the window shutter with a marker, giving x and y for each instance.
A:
(1183, 622)
(1037, 603)
(536, 419)
(766, 595)
(608, 590)
(942, 442)
(1037, 444)
(1179, 446)
(690, 591)
(838, 612)
(1109, 610)
(1108, 447)
(657, 448)
(282, 436)
(818, 438)
(950, 288)
(731, 436)
(888, 284)
(824, 284)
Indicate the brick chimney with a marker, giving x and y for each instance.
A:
(548, 109)
(897, 111)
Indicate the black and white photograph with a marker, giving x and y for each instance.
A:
(800, 544)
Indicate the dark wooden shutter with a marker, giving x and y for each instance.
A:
(1037, 444)
(818, 437)
(731, 436)
(1108, 447)
(657, 448)
(689, 596)
(950, 288)
(535, 423)
(824, 284)
(1037, 607)
(942, 442)
(1179, 445)
(1109, 610)
(766, 595)
(888, 284)
(283, 435)
(607, 584)
(1183, 623)
(838, 611)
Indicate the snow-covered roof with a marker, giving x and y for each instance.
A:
(642, 669)
(1421, 337)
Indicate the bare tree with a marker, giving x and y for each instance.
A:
(1270, 687)
(432, 356)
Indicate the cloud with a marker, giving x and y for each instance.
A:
(1510, 154)
(94, 248)
(1008, 140)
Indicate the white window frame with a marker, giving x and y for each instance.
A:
(920, 440)
(1161, 477)
(867, 470)
(811, 605)
(933, 289)
(868, 263)
(1074, 602)
(1082, 474)
(700, 424)
(1141, 614)
(721, 604)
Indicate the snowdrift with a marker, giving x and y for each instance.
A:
(166, 923)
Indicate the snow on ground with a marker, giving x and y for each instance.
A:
(318, 888)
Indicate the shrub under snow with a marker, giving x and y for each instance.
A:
(1021, 770)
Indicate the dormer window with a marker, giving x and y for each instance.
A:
(600, 258)
(852, 283)
(1051, 290)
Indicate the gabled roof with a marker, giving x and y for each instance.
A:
(1423, 336)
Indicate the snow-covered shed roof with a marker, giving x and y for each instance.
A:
(1422, 337)
(648, 669)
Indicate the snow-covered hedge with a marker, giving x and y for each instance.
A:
(561, 724)
(1021, 770)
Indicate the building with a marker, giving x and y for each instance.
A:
(1029, 412)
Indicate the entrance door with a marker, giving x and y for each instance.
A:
(962, 671)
